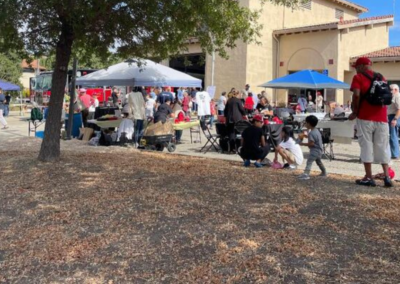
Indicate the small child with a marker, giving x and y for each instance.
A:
(249, 104)
(289, 150)
(315, 145)
(212, 112)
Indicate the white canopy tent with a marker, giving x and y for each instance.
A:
(129, 73)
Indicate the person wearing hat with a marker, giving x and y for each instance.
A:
(372, 124)
(254, 146)
(84, 105)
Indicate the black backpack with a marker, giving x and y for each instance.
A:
(379, 93)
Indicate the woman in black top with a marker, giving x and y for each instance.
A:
(264, 107)
(234, 112)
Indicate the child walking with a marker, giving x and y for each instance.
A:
(315, 145)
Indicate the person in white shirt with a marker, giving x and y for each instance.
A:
(126, 128)
(150, 106)
(289, 150)
(203, 103)
(221, 103)
(92, 108)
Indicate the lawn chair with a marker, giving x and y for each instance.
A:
(211, 138)
(240, 126)
(327, 143)
(222, 133)
(195, 132)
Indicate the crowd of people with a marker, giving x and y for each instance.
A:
(377, 126)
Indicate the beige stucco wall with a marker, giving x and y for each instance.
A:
(322, 11)
(308, 51)
(357, 41)
(25, 79)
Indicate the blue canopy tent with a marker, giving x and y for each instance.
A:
(306, 79)
(8, 86)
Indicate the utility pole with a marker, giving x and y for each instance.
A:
(71, 101)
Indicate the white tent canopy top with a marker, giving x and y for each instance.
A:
(148, 74)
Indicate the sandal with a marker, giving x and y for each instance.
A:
(5, 127)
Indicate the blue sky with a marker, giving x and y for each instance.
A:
(384, 7)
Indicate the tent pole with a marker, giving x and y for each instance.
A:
(71, 102)
(104, 96)
(20, 106)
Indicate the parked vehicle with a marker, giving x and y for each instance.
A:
(40, 86)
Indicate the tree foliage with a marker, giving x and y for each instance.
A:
(10, 67)
(131, 28)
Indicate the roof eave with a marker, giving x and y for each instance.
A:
(380, 59)
(300, 30)
(357, 8)
(366, 23)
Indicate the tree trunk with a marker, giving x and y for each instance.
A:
(50, 149)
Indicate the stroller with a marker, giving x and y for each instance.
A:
(158, 136)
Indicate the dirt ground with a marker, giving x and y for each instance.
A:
(121, 216)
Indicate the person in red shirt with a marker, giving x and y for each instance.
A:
(372, 125)
(249, 104)
(85, 102)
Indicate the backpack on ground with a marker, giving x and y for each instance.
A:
(379, 93)
(36, 114)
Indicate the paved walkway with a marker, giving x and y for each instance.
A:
(346, 156)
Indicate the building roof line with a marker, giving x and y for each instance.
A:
(337, 25)
(386, 54)
(351, 5)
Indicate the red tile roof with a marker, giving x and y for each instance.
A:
(365, 20)
(387, 52)
(33, 65)
(336, 25)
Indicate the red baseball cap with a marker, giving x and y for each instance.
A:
(258, 117)
(362, 61)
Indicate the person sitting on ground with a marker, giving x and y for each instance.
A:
(264, 107)
(289, 150)
(164, 111)
(249, 104)
(315, 145)
(254, 146)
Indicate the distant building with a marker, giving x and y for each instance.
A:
(29, 71)
(324, 35)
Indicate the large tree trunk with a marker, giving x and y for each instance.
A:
(50, 149)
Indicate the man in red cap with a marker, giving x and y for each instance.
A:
(372, 124)
(254, 146)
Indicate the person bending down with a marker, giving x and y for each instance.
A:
(289, 150)
(254, 146)
(315, 145)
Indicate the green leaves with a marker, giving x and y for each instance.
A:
(131, 28)
(10, 68)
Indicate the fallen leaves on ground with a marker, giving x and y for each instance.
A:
(118, 215)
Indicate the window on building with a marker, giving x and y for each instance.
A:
(339, 14)
(306, 5)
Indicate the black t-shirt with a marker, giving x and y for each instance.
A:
(260, 107)
(8, 99)
(114, 97)
(252, 139)
(162, 113)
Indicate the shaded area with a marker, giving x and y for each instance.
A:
(156, 218)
